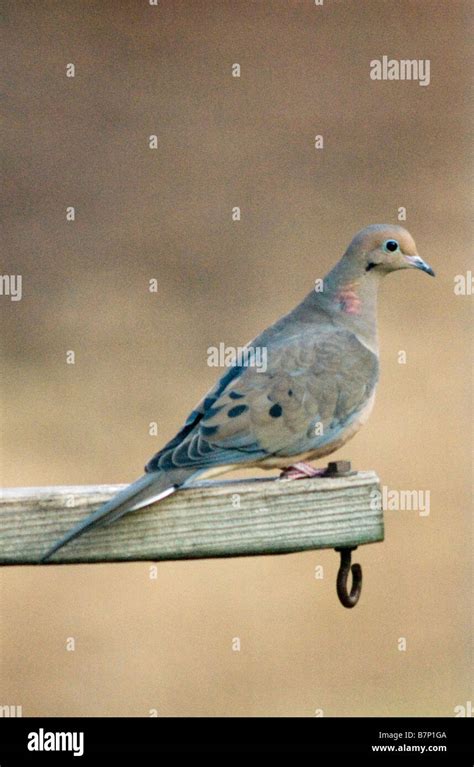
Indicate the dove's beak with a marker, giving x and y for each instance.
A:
(417, 263)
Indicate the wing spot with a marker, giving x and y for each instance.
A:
(208, 431)
(276, 410)
(235, 411)
(236, 395)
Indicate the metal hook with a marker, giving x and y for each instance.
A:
(348, 599)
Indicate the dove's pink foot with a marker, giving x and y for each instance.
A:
(301, 470)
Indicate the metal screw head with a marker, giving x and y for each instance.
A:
(338, 468)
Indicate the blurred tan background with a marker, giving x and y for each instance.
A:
(165, 644)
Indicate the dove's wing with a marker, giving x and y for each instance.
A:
(310, 393)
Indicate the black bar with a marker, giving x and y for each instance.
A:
(445, 740)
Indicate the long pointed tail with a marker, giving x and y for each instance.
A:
(148, 489)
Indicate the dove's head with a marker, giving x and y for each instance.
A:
(350, 288)
(384, 248)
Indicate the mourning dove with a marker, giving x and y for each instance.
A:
(315, 393)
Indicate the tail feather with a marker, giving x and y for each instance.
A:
(148, 489)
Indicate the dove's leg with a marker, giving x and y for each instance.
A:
(301, 470)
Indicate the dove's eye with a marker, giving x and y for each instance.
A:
(390, 246)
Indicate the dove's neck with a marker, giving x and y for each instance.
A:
(349, 296)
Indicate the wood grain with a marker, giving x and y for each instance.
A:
(210, 519)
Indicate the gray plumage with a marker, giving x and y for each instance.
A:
(316, 392)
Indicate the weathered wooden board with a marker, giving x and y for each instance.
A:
(210, 519)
